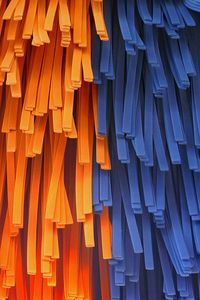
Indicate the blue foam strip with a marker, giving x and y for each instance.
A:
(147, 241)
(133, 181)
(148, 119)
(102, 107)
(144, 12)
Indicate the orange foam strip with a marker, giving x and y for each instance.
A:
(5, 125)
(4, 292)
(100, 151)
(47, 225)
(33, 213)
(65, 216)
(11, 142)
(31, 91)
(58, 291)
(10, 9)
(88, 226)
(107, 164)
(56, 252)
(51, 281)
(7, 61)
(105, 234)
(57, 165)
(73, 133)
(74, 260)
(65, 210)
(10, 115)
(11, 76)
(41, 21)
(3, 168)
(21, 289)
(3, 51)
(39, 132)
(47, 291)
(47, 244)
(12, 30)
(68, 68)
(66, 245)
(1, 97)
(51, 12)
(53, 139)
(29, 145)
(13, 114)
(10, 169)
(94, 105)
(36, 41)
(87, 189)
(69, 217)
(57, 120)
(16, 88)
(86, 55)
(13, 79)
(19, 10)
(76, 67)
(37, 290)
(20, 46)
(71, 11)
(85, 7)
(80, 294)
(97, 9)
(37, 279)
(87, 179)
(10, 272)
(5, 243)
(25, 119)
(30, 17)
(18, 203)
(67, 114)
(83, 124)
(45, 76)
(2, 10)
(65, 38)
(86, 264)
(64, 15)
(56, 217)
(78, 10)
(104, 274)
(31, 287)
(79, 191)
(56, 80)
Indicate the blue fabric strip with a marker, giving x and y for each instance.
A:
(147, 241)
(134, 183)
(102, 107)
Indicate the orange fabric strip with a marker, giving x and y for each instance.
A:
(88, 226)
(33, 213)
(51, 12)
(57, 165)
(18, 203)
(105, 234)
(104, 274)
(78, 10)
(30, 17)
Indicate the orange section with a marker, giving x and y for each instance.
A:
(48, 122)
